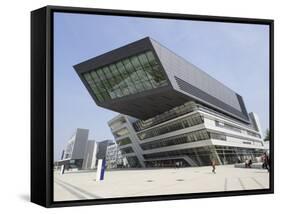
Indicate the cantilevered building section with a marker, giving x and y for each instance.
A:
(171, 111)
(144, 79)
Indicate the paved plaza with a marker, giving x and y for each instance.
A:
(143, 182)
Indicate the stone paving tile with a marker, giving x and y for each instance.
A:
(144, 182)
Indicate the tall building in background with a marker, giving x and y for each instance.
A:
(171, 111)
(114, 158)
(81, 153)
(94, 151)
(90, 160)
(74, 153)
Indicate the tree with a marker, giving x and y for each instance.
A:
(267, 135)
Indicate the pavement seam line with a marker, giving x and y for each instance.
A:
(258, 183)
(241, 183)
(92, 196)
(71, 188)
(225, 184)
(71, 191)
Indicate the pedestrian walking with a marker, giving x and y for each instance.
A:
(268, 163)
(265, 159)
(214, 166)
(246, 163)
(250, 163)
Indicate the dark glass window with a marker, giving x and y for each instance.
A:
(127, 150)
(218, 136)
(124, 141)
(253, 134)
(133, 161)
(190, 152)
(186, 122)
(120, 133)
(227, 126)
(128, 76)
(180, 139)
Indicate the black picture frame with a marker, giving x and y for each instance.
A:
(42, 104)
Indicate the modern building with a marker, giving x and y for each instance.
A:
(190, 134)
(81, 153)
(90, 160)
(266, 145)
(95, 151)
(114, 158)
(171, 111)
(74, 153)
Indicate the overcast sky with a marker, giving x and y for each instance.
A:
(235, 54)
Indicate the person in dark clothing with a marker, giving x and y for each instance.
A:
(250, 163)
(246, 163)
(265, 164)
(268, 164)
(214, 166)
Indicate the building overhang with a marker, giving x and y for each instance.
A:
(154, 100)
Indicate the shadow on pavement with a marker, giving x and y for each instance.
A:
(25, 197)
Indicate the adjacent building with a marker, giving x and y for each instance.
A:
(266, 145)
(170, 110)
(114, 158)
(102, 148)
(81, 153)
(74, 152)
(90, 160)
(190, 134)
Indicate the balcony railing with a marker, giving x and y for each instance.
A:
(168, 115)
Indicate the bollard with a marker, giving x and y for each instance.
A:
(100, 170)
(62, 169)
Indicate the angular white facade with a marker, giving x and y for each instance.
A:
(190, 135)
(114, 158)
(81, 153)
(74, 152)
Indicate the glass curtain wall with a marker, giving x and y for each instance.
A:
(186, 122)
(128, 76)
(180, 139)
